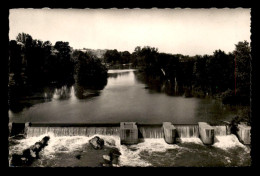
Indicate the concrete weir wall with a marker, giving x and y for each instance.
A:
(128, 133)
(244, 134)
(131, 132)
(170, 132)
(206, 133)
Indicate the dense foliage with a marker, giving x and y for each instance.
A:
(89, 70)
(114, 57)
(227, 75)
(34, 62)
(203, 75)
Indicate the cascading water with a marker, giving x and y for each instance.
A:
(183, 131)
(187, 131)
(151, 132)
(66, 143)
(72, 131)
(220, 130)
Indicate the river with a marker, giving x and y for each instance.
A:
(123, 98)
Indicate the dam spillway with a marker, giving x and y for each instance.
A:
(72, 131)
(187, 131)
(144, 130)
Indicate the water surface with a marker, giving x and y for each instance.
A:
(123, 98)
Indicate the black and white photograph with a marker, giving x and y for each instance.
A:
(155, 87)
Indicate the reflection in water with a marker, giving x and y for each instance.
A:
(48, 93)
(83, 92)
(116, 74)
(126, 96)
(89, 91)
(157, 84)
(25, 97)
(62, 93)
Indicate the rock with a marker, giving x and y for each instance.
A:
(114, 155)
(44, 141)
(78, 156)
(29, 154)
(97, 142)
(16, 160)
(37, 146)
(114, 152)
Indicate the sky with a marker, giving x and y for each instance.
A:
(176, 31)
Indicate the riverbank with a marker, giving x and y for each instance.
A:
(227, 98)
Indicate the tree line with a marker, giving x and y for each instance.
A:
(33, 61)
(36, 62)
(222, 74)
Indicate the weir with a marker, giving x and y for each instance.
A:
(150, 131)
(220, 130)
(187, 131)
(144, 130)
(72, 131)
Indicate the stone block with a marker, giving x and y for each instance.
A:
(244, 133)
(128, 133)
(169, 132)
(206, 133)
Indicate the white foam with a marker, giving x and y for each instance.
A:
(64, 144)
(228, 141)
(24, 144)
(191, 140)
(130, 155)
(60, 143)
(120, 71)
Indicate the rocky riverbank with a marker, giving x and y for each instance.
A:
(95, 152)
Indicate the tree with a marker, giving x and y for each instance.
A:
(24, 38)
(35, 61)
(147, 58)
(65, 68)
(243, 67)
(200, 72)
(169, 63)
(15, 61)
(125, 57)
(220, 71)
(112, 56)
(89, 71)
(185, 72)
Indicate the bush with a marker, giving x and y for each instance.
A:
(89, 71)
